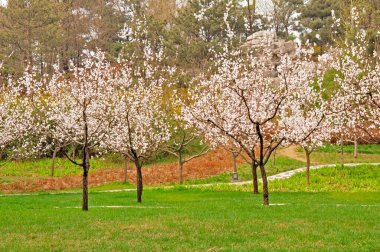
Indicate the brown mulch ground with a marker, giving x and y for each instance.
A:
(215, 162)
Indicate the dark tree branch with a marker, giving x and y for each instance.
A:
(231, 136)
(72, 160)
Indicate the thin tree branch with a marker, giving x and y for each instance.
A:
(72, 160)
(201, 153)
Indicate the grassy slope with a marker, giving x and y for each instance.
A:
(364, 178)
(352, 179)
(191, 220)
(362, 148)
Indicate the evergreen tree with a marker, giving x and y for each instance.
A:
(316, 21)
(285, 16)
(30, 34)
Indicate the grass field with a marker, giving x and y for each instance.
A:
(191, 220)
(339, 211)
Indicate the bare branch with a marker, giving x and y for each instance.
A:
(201, 153)
(72, 160)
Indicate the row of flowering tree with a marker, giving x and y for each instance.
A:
(97, 106)
(251, 101)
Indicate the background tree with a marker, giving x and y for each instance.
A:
(38, 33)
(285, 16)
(30, 34)
(163, 10)
(200, 25)
(91, 25)
(181, 141)
(317, 22)
(235, 153)
(352, 63)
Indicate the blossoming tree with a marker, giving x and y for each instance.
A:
(252, 100)
(138, 126)
(349, 103)
(373, 86)
(12, 114)
(312, 123)
(5, 125)
(76, 108)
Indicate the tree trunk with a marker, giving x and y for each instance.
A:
(341, 152)
(235, 176)
(139, 182)
(180, 169)
(307, 166)
(73, 154)
(251, 13)
(356, 147)
(56, 149)
(125, 169)
(254, 178)
(86, 168)
(234, 161)
(265, 185)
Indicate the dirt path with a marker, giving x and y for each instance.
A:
(291, 152)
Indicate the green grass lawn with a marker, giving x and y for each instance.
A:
(340, 211)
(192, 220)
